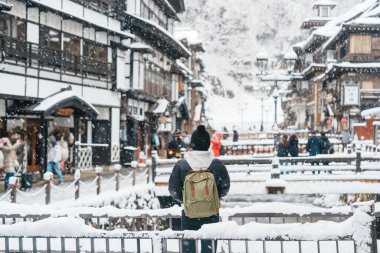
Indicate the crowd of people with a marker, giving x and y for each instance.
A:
(14, 157)
(288, 147)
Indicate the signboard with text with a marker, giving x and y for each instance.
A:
(351, 95)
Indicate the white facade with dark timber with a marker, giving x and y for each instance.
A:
(151, 75)
(50, 45)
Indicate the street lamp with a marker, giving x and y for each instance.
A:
(262, 61)
(290, 60)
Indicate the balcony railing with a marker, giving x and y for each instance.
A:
(30, 55)
(112, 8)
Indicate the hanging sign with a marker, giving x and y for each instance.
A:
(351, 95)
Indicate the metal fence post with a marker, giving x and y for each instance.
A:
(358, 159)
(134, 166)
(77, 183)
(98, 172)
(349, 148)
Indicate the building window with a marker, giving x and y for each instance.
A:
(154, 14)
(95, 51)
(71, 44)
(367, 85)
(12, 27)
(360, 44)
(376, 43)
(324, 11)
(50, 38)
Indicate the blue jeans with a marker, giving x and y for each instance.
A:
(52, 166)
(7, 176)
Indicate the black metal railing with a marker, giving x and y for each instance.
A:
(32, 55)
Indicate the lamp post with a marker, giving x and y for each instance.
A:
(275, 95)
(290, 62)
(261, 93)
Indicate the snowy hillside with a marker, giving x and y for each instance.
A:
(234, 31)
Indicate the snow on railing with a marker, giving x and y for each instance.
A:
(359, 229)
(75, 189)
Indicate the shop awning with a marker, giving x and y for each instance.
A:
(161, 107)
(371, 112)
(62, 103)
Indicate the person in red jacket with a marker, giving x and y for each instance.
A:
(216, 144)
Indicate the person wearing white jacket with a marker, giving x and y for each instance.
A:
(54, 158)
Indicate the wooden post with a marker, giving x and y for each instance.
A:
(134, 177)
(47, 192)
(98, 172)
(13, 181)
(358, 159)
(77, 183)
(117, 168)
(48, 176)
(153, 166)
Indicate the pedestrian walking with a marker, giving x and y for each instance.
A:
(345, 138)
(326, 147)
(293, 147)
(64, 146)
(216, 144)
(54, 158)
(283, 148)
(10, 158)
(235, 137)
(313, 145)
(195, 180)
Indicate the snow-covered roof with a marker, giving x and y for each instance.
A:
(109, 26)
(371, 112)
(157, 28)
(333, 27)
(351, 66)
(183, 67)
(60, 100)
(162, 105)
(139, 45)
(313, 66)
(262, 55)
(187, 33)
(324, 3)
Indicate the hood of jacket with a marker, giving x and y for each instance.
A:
(199, 159)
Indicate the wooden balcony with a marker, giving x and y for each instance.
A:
(112, 8)
(55, 64)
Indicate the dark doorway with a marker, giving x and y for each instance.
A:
(101, 134)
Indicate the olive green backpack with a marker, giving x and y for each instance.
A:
(200, 194)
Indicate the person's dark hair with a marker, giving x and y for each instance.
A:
(323, 134)
(200, 139)
(285, 140)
